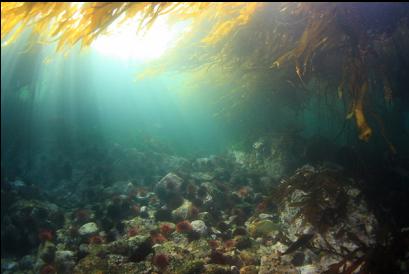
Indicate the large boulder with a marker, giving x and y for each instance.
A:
(168, 190)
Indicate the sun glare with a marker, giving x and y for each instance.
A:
(124, 42)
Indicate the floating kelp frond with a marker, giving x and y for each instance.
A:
(70, 23)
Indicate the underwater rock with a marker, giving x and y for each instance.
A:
(17, 184)
(144, 213)
(168, 190)
(320, 201)
(183, 212)
(263, 216)
(249, 269)
(172, 162)
(203, 164)
(239, 231)
(120, 247)
(272, 264)
(170, 183)
(120, 264)
(237, 226)
(135, 248)
(218, 269)
(139, 248)
(65, 261)
(91, 264)
(23, 222)
(27, 262)
(239, 157)
(120, 187)
(199, 226)
(193, 267)
(242, 242)
(309, 269)
(22, 190)
(46, 252)
(202, 176)
(88, 229)
(205, 217)
(8, 265)
(298, 259)
(83, 250)
(119, 207)
(262, 228)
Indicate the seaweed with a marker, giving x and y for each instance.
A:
(302, 241)
(324, 203)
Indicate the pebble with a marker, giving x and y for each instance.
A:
(88, 229)
(199, 226)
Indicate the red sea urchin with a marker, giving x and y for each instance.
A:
(214, 244)
(183, 227)
(166, 229)
(157, 237)
(45, 235)
(48, 269)
(161, 260)
(96, 240)
(133, 231)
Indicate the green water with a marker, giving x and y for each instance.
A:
(88, 94)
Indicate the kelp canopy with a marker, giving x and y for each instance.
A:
(355, 52)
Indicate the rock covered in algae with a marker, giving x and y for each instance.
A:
(183, 212)
(168, 190)
(65, 261)
(262, 228)
(91, 264)
(46, 252)
(192, 267)
(88, 229)
(199, 227)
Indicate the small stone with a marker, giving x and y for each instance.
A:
(88, 229)
(264, 216)
(65, 261)
(199, 226)
(243, 242)
(309, 269)
(262, 228)
(144, 212)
